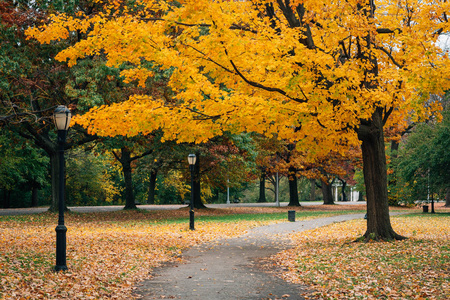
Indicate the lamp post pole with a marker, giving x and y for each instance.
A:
(62, 119)
(191, 160)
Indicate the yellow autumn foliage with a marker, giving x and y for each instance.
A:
(323, 66)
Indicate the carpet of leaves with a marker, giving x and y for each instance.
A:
(107, 253)
(336, 267)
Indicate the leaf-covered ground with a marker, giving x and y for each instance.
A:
(108, 253)
(335, 267)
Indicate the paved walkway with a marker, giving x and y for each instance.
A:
(232, 268)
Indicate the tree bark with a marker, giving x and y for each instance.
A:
(447, 197)
(126, 169)
(293, 188)
(327, 193)
(262, 187)
(344, 195)
(197, 187)
(152, 187)
(6, 198)
(360, 196)
(34, 196)
(392, 183)
(371, 135)
(312, 195)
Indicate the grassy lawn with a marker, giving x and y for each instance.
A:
(109, 252)
(335, 267)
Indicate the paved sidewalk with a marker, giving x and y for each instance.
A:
(231, 269)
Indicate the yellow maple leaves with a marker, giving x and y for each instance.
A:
(324, 65)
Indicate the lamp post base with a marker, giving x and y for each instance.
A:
(60, 268)
(61, 248)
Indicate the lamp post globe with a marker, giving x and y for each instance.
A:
(191, 159)
(61, 117)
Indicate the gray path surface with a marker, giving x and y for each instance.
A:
(232, 268)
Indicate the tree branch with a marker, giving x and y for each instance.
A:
(148, 152)
(387, 30)
(258, 85)
(389, 55)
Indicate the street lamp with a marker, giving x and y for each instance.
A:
(61, 117)
(191, 160)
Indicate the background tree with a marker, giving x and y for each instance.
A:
(424, 160)
(23, 171)
(32, 82)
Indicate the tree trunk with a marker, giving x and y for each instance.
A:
(293, 188)
(6, 198)
(262, 187)
(375, 176)
(392, 182)
(34, 196)
(360, 196)
(344, 195)
(327, 193)
(126, 169)
(447, 197)
(312, 195)
(152, 187)
(197, 187)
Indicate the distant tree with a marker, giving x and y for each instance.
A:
(23, 168)
(424, 159)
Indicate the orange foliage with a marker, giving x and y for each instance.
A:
(332, 66)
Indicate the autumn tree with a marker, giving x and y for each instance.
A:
(318, 73)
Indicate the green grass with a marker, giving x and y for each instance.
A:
(299, 215)
(134, 217)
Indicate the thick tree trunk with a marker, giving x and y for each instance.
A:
(6, 198)
(447, 197)
(375, 177)
(34, 196)
(344, 195)
(327, 193)
(126, 169)
(312, 195)
(262, 187)
(293, 188)
(197, 187)
(152, 187)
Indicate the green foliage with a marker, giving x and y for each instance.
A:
(22, 168)
(424, 161)
(90, 179)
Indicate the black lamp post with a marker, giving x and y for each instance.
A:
(61, 117)
(191, 160)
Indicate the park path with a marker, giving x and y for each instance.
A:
(232, 268)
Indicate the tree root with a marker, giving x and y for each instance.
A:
(372, 237)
